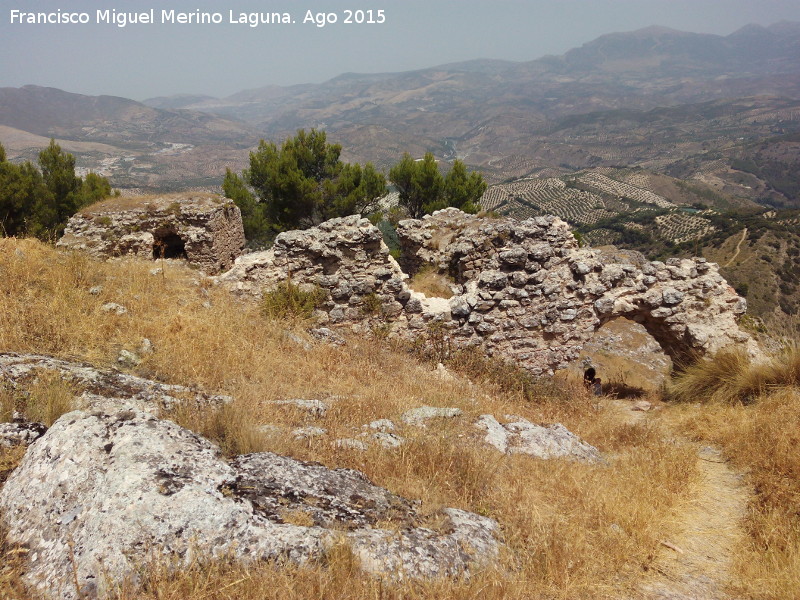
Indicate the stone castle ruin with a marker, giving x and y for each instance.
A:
(204, 229)
(523, 291)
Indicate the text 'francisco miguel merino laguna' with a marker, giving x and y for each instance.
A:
(197, 17)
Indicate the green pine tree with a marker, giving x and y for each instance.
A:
(299, 185)
(423, 190)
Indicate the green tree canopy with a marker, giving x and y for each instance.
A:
(299, 185)
(58, 172)
(39, 203)
(423, 190)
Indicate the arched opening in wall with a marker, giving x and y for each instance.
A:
(433, 283)
(629, 361)
(168, 244)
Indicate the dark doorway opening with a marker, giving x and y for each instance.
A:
(168, 244)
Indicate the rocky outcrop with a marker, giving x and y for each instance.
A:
(101, 494)
(520, 436)
(204, 229)
(525, 291)
(102, 389)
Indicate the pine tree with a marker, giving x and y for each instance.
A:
(301, 184)
(40, 203)
(462, 190)
(58, 172)
(423, 190)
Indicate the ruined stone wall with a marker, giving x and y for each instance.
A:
(525, 291)
(205, 229)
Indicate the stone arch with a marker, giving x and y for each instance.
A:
(674, 341)
(630, 361)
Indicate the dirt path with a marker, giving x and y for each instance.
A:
(695, 564)
(738, 248)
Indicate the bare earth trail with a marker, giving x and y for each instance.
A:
(738, 248)
(696, 563)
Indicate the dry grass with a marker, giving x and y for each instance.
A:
(148, 202)
(431, 283)
(761, 437)
(290, 301)
(571, 530)
(731, 377)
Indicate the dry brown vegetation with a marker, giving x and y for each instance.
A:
(753, 414)
(431, 283)
(570, 530)
(151, 201)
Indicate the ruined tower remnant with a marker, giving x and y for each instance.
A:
(524, 290)
(204, 229)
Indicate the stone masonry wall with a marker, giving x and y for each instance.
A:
(525, 291)
(205, 229)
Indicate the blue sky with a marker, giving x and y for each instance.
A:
(141, 61)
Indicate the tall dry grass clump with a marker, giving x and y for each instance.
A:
(730, 376)
(430, 282)
(754, 415)
(571, 530)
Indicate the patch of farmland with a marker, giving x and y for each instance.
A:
(551, 172)
(534, 196)
(681, 227)
(712, 166)
(640, 180)
(601, 237)
(606, 185)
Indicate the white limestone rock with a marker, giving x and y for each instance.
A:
(20, 434)
(520, 436)
(314, 407)
(100, 494)
(418, 416)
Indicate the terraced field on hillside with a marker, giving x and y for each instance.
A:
(530, 197)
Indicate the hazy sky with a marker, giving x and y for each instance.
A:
(145, 60)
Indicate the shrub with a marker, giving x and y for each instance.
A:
(372, 304)
(292, 301)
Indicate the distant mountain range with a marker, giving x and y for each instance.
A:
(646, 139)
(654, 98)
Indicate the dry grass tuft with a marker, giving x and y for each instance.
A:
(761, 439)
(45, 399)
(730, 376)
(9, 460)
(290, 301)
(149, 202)
(12, 564)
(754, 415)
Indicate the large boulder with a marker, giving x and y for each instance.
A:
(100, 494)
